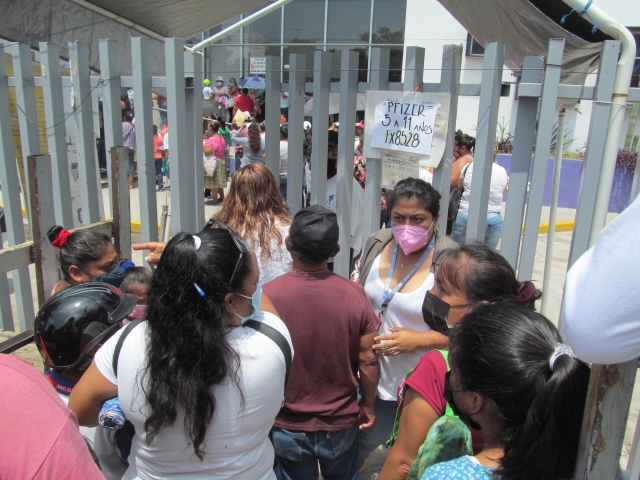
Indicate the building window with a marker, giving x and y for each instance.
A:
(635, 78)
(474, 49)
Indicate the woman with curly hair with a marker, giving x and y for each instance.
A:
(254, 207)
(200, 386)
(252, 144)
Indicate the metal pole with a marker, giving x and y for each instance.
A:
(236, 26)
(548, 261)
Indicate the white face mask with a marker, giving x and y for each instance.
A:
(218, 84)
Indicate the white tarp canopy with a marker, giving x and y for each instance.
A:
(63, 21)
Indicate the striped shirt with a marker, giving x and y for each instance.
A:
(128, 135)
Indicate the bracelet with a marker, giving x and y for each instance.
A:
(425, 339)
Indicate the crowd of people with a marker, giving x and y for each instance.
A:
(240, 354)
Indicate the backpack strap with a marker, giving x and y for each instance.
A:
(116, 352)
(448, 412)
(277, 338)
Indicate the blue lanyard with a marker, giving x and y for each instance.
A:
(388, 294)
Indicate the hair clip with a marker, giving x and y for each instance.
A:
(200, 291)
(198, 242)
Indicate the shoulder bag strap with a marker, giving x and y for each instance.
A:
(448, 410)
(116, 352)
(277, 338)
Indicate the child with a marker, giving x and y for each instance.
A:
(136, 281)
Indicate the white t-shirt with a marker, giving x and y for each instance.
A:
(425, 175)
(284, 102)
(499, 181)
(357, 210)
(601, 306)
(404, 311)
(280, 262)
(284, 157)
(236, 443)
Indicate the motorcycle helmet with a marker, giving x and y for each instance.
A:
(75, 320)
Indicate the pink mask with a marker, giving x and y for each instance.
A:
(410, 238)
(139, 311)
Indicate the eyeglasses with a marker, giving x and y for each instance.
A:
(241, 245)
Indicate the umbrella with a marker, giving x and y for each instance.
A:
(253, 82)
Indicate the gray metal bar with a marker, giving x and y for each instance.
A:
(321, 84)
(577, 92)
(6, 312)
(520, 162)
(595, 150)
(43, 218)
(10, 182)
(605, 414)
(141, 62)
(541, 158)
(121, 202)
(79, 59)
(485, 140)
(272, 116)
(182, 187)
(346, 139)
(111, 109)
(297, 62)
(449, 83)
(414, 68)
(54, 114)
(26, 103)
(634, 95)
(548, 259)
(193, 112)
(379, 77)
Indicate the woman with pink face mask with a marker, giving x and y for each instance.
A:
(395, 271)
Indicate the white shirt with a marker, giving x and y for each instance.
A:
(499, 181)
(280, 262)
(284, 102)
(425, 175)
(236, 442)
(601, 306)
(284, 157)
(165, 142)
(357, 210)
(404, 311)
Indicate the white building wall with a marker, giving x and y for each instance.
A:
(431, 26)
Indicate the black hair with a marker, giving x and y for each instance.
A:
(414, 187)
(502, 351)
(188, 350)
(284, 130)
(263, 126)
(483, 275)
(464, 140)
(128, 116)
(155, 129)
(305, 257)
(245, 91)
(135, 276)
(81, 247)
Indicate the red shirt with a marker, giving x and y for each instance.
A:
(157, 143)
(322, 392)
(245, 103)
(428, 380)
(39, 434)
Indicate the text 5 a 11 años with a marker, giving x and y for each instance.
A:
(401, 138)
(423, 127)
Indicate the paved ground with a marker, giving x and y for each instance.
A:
(559, 262)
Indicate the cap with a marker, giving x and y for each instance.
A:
(307, 125)
(207, 82)
(314, 231)
(333, 138)
(219, 78)
(360, 124)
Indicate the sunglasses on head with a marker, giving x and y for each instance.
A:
(241, 245)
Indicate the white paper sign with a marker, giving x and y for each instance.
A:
(395, 169)
(257, 65)
(404, 126)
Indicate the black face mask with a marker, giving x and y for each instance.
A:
(448, 396)
(435, 312)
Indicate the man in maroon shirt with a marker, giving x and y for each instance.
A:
(332, 326)
(244, 102)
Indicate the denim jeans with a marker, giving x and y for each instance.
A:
(283, 187)
(495, 222)
(382, 429)
(132, 167)
(159, 179)
(298, 454)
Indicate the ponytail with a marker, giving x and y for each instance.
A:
(503, 352)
